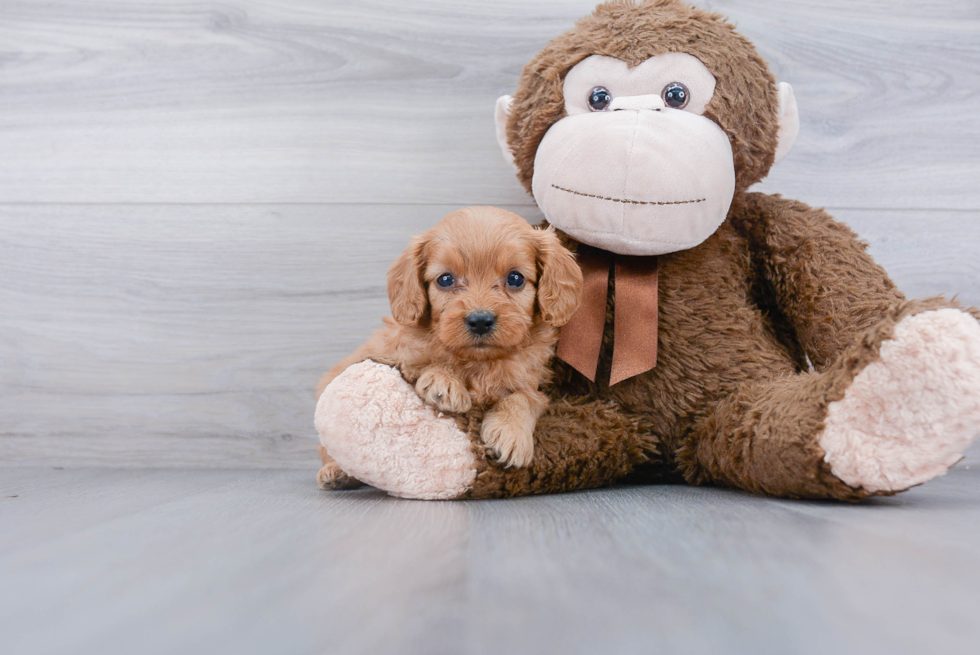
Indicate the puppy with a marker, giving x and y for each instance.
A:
(475, 306)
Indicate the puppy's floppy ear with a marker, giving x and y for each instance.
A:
(560, 283)
(406, 293)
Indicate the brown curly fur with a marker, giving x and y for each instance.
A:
(744, 103)
(779, 287)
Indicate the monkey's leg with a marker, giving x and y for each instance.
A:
(381, 432)
(896, 409)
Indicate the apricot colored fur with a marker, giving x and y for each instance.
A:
(453, 369)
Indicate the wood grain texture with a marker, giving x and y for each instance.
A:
(168, 335)
(108, 561)
(385, 101)
(198, 201)
(205, 325)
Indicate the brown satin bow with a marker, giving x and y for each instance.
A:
(634, 321)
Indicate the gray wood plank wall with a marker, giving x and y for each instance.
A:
(198, 201)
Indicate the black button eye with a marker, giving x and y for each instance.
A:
(599, 98)
(445, 280)
(676, 95)
(515, 280)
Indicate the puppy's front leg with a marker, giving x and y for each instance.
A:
(508, 428)
(438, 387)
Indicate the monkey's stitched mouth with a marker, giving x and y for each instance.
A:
(627, 200)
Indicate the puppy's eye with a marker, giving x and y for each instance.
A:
(445, 280)
(515, 280)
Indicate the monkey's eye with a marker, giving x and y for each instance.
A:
(515, 280)
(445, 280)
(599, 98)
(676, 95)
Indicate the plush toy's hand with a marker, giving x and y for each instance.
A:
(444, 391)
(379, 431)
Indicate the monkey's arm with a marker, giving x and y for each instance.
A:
(578, 444)
(377, 427)
(821, 278)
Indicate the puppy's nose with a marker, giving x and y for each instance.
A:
(480, 322)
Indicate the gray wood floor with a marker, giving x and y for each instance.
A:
(261, 561)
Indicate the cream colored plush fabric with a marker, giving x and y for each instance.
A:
(634, 182)
(909, 416)
(500, 113)
(377, 428)
(789, 122)
(640, 178)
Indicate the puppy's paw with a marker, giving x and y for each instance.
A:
(444, 392)
(331, 476)
(512, 441)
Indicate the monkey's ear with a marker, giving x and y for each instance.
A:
(560, 283)
(789, 121)
(406, 293)
(500, 115)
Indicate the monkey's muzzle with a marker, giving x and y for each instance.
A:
(635, 181)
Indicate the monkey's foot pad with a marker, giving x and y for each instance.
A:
(908, 417)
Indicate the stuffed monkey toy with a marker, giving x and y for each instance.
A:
(725, 337)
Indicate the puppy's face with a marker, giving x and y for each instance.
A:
(481, 286)
(480, 279)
